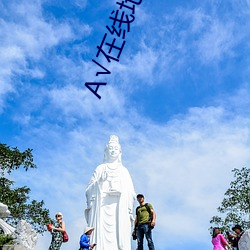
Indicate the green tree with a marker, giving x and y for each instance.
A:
(235, 207)
(17, 199)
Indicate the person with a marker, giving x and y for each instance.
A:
(239, 231)
(85, 239)
(56, 231)
(218, 240)
(110, 198)
(231, 240)
(142, 226)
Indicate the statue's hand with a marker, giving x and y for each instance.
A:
(90, 202)
(104, 176)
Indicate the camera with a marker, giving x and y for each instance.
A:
(134, 235)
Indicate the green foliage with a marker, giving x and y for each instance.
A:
(12, 159)
(17, 199)
(235, 206)
(6, 240)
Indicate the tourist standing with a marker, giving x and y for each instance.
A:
(239, 231)
(143, 223)
(56, 231)
(85, 239)
(218, 240)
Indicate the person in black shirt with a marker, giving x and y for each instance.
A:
(236, 237)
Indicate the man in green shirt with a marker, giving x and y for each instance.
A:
(144, 223)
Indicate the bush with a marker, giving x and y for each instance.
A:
(6, 240)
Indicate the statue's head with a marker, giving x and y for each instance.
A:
(4, 211)
(113, 150)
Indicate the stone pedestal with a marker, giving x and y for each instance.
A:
(13, 247)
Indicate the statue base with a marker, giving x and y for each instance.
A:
(12, 247)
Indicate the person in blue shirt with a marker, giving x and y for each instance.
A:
(85, 239)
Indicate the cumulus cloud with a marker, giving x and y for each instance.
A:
(81, 102)
(185, 163)
(25, 39)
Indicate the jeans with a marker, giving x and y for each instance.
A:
(142, 230)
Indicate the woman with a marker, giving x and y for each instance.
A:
(218, 240)
(56, 231)
(84, 240)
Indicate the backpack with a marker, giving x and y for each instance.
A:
(149, 212)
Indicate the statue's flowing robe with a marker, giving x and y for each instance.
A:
(244, 242)
(110, 197)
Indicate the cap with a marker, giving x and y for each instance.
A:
(140, 195)
(237, 227)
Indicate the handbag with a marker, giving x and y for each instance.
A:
(49, 227)
(65, 236)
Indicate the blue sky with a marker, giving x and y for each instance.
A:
(178, 99)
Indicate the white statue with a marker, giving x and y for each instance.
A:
(244, 242)
(110, 197)
(25, 235)
(4, 212)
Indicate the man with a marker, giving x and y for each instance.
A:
(238, 230)
(143, 224)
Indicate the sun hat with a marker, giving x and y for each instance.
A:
(87, 229)
(59, 213)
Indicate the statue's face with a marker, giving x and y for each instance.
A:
(113, 150)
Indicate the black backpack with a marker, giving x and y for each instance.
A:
(150, 218)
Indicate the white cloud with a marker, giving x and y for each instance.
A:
(81, 102)
(183, 167)
(143, 64)
(217, 42)
(81, 3)
(25, 35)
(32, 33)
(185, 36)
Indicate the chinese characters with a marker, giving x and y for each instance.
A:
(113, 41)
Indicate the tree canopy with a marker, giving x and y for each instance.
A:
(235, 207)
(17, 199)
(12, 159)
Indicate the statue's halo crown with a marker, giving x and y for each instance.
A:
(113, 139)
